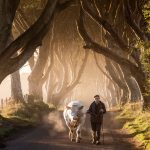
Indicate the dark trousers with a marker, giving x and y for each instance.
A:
(96, 128)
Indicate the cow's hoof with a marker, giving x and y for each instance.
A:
(93, 142)
(98, 143)
(77, 141)
(72, 140)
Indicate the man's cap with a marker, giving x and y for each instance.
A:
(96, 96)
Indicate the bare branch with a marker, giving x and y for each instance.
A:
(90, 44)
(132, 23)
(31, 33)
(105, 24)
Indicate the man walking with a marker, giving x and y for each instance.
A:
(96, 111)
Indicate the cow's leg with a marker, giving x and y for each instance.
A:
(78, 132)
(72, 134)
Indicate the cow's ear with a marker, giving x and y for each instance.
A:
(81, 107)
(68, 107)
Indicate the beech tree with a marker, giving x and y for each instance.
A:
(64, 79)
(25, 43)
(122, 26)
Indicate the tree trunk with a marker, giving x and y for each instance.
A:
(112, 93)
(16, 91)
(66, 89)
(135, 94)
(115, 76)
(141, 79)
(7, 14)
(38, 70)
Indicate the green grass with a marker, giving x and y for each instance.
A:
(137, 123)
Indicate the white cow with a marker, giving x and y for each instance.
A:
(74, 118)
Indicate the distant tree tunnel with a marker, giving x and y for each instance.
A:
(59, 39)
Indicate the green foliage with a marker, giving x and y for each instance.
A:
(137, 123)
(146, 12)
(145, 59)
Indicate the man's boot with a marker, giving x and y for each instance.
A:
(98, 138)
(93, 137)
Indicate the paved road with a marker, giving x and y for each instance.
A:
(53, 135)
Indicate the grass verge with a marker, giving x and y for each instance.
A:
(137, 123)
(17, 117)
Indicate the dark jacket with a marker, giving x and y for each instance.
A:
(95, 111)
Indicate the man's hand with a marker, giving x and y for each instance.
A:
(101, 110)
(87, 112)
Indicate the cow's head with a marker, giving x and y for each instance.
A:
(74, 113)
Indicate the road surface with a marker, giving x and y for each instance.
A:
(52, 134)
